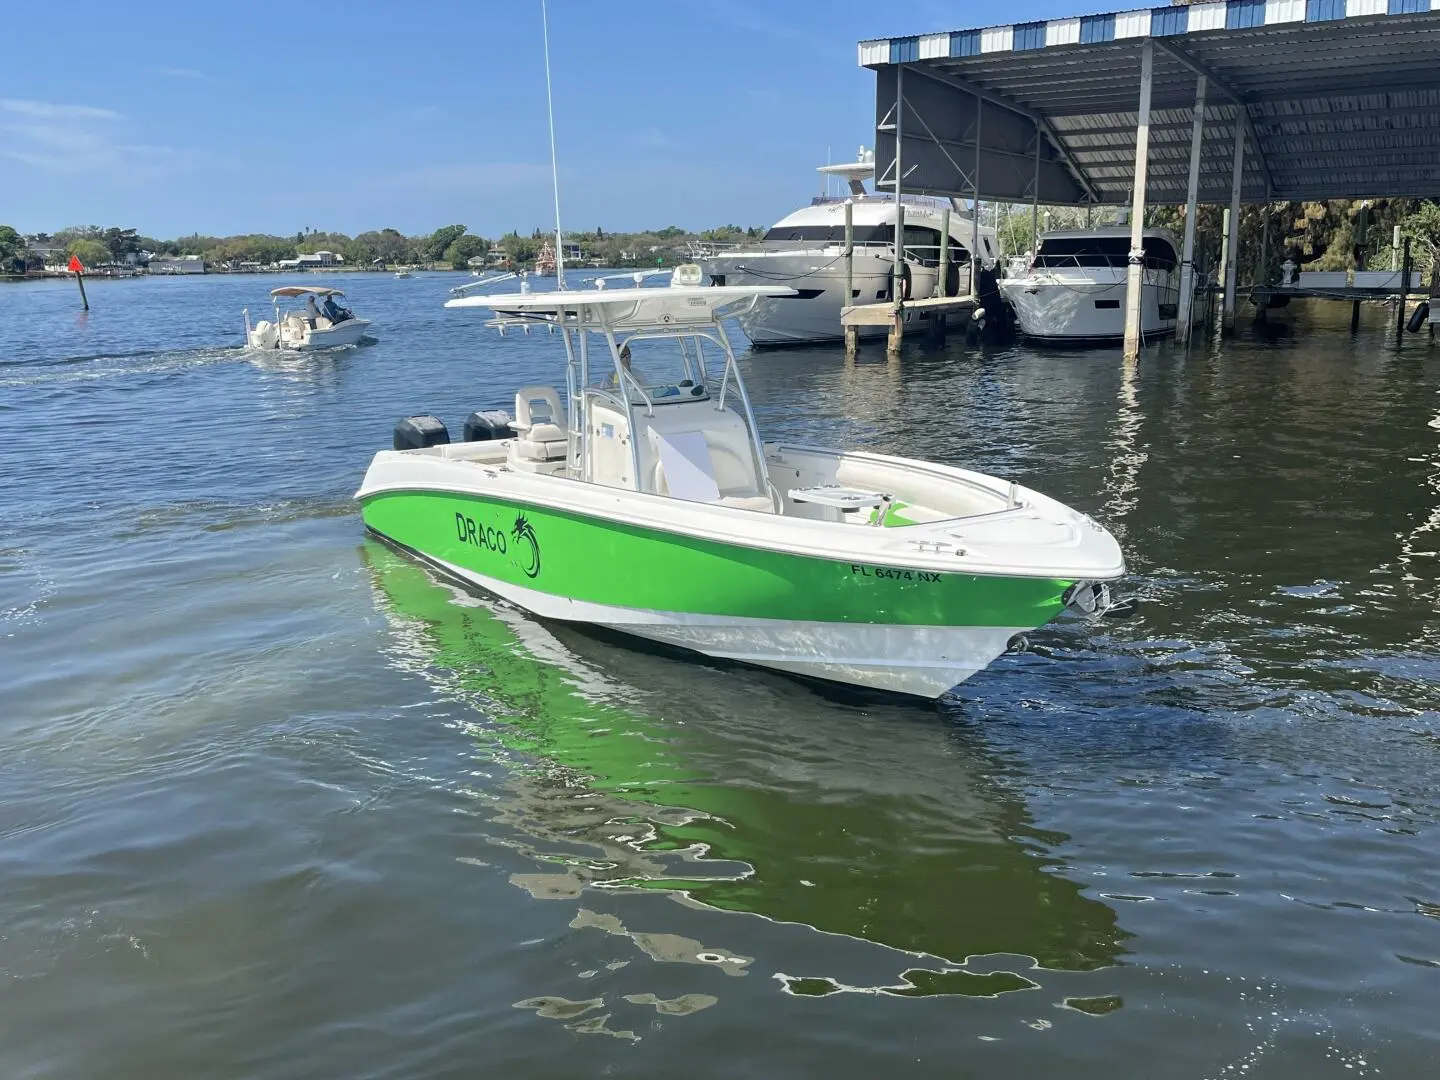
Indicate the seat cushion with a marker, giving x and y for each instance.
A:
(535, 450)
(541, 432)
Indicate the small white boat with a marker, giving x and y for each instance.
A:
(402, 273)
(648, 503)
(1074, 288)
(326, 326)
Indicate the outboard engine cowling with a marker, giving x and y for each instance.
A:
(488, 426)
(418, 432)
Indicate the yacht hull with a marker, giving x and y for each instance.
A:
(894, 628)
(818, 278)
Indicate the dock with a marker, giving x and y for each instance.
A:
(934, 312)
(1235, 102)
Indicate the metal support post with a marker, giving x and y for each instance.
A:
(1035, 200)
(897, 290)
(975, 208)
(944, 270)
(1261, 275)
(1136, 271)
(849, 253)
(1232, 244)
(1185, 317)
(1404, 294)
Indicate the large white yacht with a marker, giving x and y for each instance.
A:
(1074, 287)
(806, 252)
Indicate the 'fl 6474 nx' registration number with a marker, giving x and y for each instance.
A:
(894, 573)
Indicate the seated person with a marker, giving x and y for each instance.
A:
(612, 380)
(333, 311)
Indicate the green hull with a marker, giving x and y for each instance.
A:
(620, 565)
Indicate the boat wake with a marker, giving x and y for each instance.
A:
(72, 369)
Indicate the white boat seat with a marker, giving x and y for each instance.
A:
(540, 438)
(543, 442)
(536, 405)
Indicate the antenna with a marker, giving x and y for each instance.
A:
(554, 167)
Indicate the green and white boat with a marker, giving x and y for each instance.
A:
(649, 504)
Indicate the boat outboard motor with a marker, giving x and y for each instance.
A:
(488, 426)
(418, 432)
(992, 318)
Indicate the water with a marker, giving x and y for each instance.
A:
(275, 803)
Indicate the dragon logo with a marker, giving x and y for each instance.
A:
(523, 531)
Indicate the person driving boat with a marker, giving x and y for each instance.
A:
(333, 311)
(612, 380)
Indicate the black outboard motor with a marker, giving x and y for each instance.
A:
(488, 426)
(418, 432)
(992, 320)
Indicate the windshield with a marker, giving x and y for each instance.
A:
(667, 369)
(1056, 251)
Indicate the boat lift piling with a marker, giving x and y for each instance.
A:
(1232, 231)
(852, 333)
(1184, 317)
(1135, 270)
(1404, 294)
(941, 284)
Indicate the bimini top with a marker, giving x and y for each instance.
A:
(303, 290)
(675, 305)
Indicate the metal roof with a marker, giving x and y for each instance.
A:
(1337, 98)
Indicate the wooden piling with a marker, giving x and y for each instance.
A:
(944, 271)
(1404, 294)
(852, 342)
(896, 337)
(849, 255)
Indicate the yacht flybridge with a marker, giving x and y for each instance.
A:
(643, 499)
(806, 251)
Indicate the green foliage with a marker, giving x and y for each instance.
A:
(12, 251)
(519, 249)
(464, 249)
(322, 241)
(441, 239)
(258, 247)
(89, 251)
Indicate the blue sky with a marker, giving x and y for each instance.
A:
(223, 117)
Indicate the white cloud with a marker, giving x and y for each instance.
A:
(45, 110)
(70, 138)
(181, 73)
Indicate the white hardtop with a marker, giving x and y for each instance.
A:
(856, 172)
(304, 290)
(1103, 232)
(675, 305)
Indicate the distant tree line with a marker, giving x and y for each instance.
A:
(451, 245)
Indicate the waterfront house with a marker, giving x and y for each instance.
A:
(177, 264)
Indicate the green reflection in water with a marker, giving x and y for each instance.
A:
(752, 793)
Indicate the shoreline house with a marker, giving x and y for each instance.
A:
(312, 260)
(177, 264)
